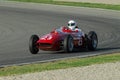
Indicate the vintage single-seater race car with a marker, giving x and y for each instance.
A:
(63, 39)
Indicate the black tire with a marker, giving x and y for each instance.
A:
(92, 40)
(68, 43)
(32, 44)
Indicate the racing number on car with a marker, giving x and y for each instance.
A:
(46, 37)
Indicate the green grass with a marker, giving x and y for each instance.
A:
(78, 4)
(62, 64)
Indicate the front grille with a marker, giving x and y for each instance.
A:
(45, 44)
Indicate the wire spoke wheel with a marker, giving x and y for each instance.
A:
(92, 40)
(33, 44)
(68, 43)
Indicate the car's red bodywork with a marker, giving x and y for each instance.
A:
(54, 40)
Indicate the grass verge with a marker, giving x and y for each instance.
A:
(78, 4)
(62, 64)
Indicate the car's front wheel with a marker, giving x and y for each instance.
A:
(33, 44)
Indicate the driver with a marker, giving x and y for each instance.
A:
(72, 25)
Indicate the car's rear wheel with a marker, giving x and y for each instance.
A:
(68, 43)
(92, 40)
(33, 44)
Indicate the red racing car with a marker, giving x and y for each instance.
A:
(63, 39)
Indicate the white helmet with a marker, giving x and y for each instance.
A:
(72, 24)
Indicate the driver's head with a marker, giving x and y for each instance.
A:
(72, 24)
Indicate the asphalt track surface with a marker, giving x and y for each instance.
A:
(18, 21)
